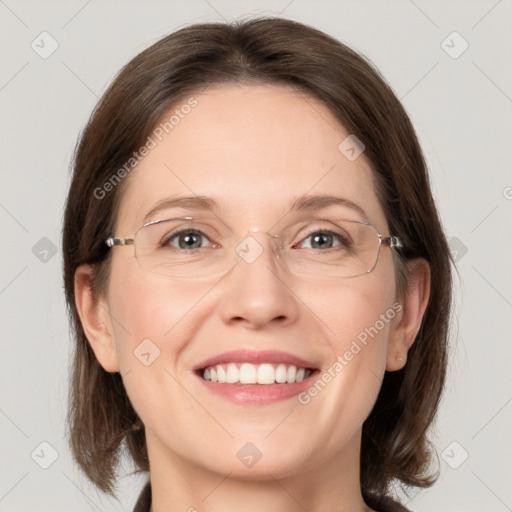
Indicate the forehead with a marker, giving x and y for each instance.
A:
(253, 149)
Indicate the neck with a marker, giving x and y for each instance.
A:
(325, 486)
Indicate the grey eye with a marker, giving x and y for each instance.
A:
(187, 239)
(322, 240)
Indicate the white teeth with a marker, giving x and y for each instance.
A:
(247, 373)
(281, 374)
(291, 374)
(266, 374)
(231, 373)
(221, 374)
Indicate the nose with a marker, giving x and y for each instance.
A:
(257, 292)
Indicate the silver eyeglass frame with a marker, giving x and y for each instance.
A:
(390, 241)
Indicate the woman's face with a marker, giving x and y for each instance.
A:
(254, 150)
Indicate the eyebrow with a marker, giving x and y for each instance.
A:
(317, 202)
(197, 203)
(303, 203)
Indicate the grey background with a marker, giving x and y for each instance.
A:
(462, 109)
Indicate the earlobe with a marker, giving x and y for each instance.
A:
(407, 324)
(95, 320)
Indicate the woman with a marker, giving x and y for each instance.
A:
(257, 276)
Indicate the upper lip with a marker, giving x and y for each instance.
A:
(255, 357)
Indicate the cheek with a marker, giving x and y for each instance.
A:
(356, 317)
(147, 307)
(153, 319)
(358, 309)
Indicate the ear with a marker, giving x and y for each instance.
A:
(95, 318)
(407, 323)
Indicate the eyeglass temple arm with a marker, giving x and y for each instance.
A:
(392, 241)
(112, 241)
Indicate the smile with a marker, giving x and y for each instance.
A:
(256, 377)
(247, 373)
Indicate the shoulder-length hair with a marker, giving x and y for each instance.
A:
(255, 51)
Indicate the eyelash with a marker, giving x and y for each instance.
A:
(342, 239)
(168, 238)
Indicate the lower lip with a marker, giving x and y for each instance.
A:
(257, 394)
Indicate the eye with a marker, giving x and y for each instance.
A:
(324, 240)
(186, 239)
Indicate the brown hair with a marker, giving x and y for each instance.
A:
(272, 51)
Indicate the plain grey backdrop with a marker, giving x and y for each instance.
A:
(450, 64)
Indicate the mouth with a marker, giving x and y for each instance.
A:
(247, 373)
(249, 377)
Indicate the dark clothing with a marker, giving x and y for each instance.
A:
(144, 501)
(382, 504)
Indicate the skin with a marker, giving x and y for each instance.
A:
(254, 149)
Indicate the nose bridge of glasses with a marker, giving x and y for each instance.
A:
(256, 232)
